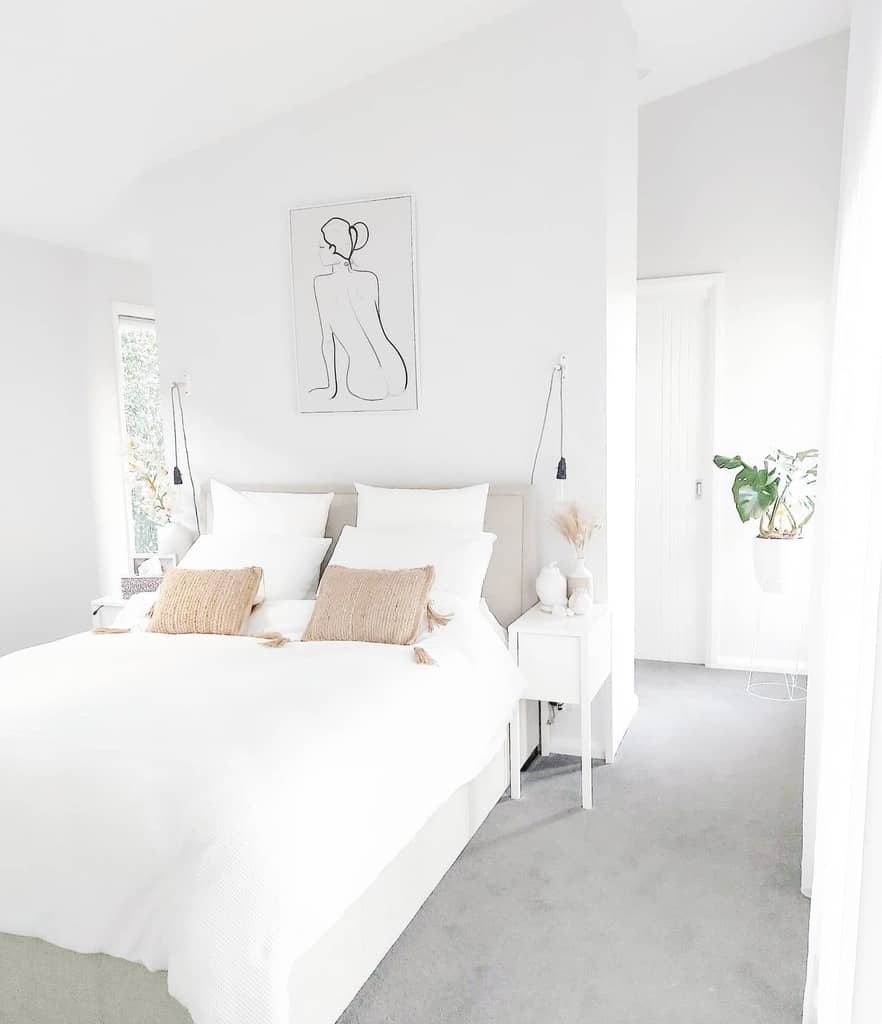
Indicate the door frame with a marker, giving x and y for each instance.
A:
(712, 285)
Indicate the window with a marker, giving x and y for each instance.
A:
(147, 477)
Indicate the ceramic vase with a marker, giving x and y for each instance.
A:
(581, 578)
(580, 602)
(551, 588)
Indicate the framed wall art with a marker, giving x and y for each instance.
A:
(354, 295)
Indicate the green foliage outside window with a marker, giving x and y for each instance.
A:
(139, 358)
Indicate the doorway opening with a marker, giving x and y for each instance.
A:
(677, 322)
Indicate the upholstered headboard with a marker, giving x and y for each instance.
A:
(509, 587)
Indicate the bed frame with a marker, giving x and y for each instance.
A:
(43, 984)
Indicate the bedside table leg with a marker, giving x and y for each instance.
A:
(609, 750)
(544, 728)
(585, 718)
(514, 751)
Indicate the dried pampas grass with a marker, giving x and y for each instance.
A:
(575, 525)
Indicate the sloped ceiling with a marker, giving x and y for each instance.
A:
(97, 92)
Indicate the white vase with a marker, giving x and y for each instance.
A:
(580, 602)
(581, 578)
(778, 563)
(174, 539)
(551, 588)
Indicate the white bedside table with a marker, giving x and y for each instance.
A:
(566, 659)
(105, 610)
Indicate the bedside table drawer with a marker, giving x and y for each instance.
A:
(551, 667)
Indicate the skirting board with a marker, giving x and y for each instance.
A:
(776, 665)
(42, 984)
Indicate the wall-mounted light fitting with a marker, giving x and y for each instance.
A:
(180, 388)
(560, 372)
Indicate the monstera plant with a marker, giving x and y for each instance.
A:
(779, 493)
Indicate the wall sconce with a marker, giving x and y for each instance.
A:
(560, 372)
(180, 388)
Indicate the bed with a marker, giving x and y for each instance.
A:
(352, 891)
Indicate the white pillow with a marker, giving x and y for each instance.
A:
(455, 508)
(460, 559)
(290, 618)
(276, 513)
(136, 611)
(290, 565)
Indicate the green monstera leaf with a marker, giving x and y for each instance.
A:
(754, 492)
(728, 461)
(780, 494)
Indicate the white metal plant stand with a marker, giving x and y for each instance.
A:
(787, 688)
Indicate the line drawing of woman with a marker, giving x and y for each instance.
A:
(348, 304)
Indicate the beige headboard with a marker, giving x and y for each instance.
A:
(509, 587)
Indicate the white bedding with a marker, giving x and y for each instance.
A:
(209, 806)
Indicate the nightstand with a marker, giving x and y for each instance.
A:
(105, 610)
(566, 659)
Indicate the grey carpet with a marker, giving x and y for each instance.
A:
(676, 901)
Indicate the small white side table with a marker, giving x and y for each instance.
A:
(566, 659)
(105, 610)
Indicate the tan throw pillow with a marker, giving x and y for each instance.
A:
(205, 601)
(378, 606)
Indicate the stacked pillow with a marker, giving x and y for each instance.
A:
(402, 528)
(453, 508)
(460, 559)
(439, 532)
(205, 601)
(291, 565)
(280, 532)
(277, 514)
(378, 606)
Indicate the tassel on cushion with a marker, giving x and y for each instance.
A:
(109, 631)
(422, 657)
(434, 618)
(273, 640)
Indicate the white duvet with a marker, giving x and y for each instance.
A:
(209, 806)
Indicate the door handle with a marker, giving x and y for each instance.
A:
(699, 486)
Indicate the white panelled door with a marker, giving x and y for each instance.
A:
(676, 324)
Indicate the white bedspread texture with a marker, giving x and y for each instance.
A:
(209, 806)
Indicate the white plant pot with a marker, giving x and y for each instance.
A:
(174, 539)
(777, 563)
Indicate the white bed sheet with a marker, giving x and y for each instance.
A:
(210, 807)
(499, 631)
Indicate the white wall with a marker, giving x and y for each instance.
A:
(57, 362)
(741, 176)
(621, 380)
(842, 826)
(505, 138)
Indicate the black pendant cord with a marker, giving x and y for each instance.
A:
(542, 428)
(562, 464)
(177, 479)
(176, 476)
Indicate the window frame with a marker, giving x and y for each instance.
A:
(131, 311)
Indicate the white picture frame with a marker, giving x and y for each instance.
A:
(166, 562)
(353, 287)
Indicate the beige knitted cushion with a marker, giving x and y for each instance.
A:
(205, 601)
(379, 606)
